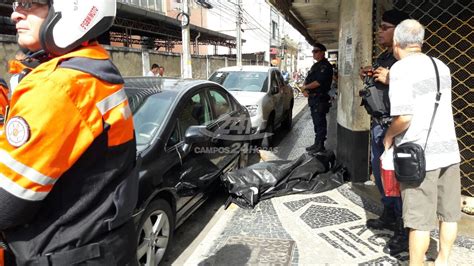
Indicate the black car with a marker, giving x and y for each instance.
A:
(188, 133)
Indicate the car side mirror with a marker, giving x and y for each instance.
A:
(195, 135)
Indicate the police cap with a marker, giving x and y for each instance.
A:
(319, 46)
(394, 17)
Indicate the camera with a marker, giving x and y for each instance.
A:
(369, 77)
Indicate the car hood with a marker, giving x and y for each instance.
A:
(248, 97)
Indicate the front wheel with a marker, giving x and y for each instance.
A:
(155, 232)
(267, 141)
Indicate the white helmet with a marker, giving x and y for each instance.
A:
(72, 22)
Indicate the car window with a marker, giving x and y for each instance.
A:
(280, 78)
(242, 80)
(194, 112)
(174, 138)
(274, 79)
(219, 103)
(149, 111)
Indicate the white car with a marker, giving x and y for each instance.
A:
(262, 90)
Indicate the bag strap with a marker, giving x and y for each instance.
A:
(438, 97)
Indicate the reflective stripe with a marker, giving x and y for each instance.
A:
(28, 172)
(126, 112)
(111, 101)
(19, 191)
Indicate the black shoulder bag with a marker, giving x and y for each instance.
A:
(409, 157)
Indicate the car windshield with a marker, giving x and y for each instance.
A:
(242, 80)
(149, 109)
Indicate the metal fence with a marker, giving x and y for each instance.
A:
(449, 37)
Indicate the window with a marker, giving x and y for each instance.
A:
(174, 138)
(280, 78)
(274, 30)
(194, 112)
(274, 80)
(219, 103)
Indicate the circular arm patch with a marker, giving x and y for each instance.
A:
(17, 131)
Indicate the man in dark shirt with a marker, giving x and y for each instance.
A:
(391, 217)
(316, 87)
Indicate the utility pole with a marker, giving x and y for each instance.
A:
(186, 67)
(239, 33)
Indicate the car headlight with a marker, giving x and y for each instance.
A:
(252, 109)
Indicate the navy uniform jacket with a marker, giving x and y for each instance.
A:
(321, 72)
(386, 60)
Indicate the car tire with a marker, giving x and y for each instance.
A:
(267, 142)
(287, 123)
(155, 232)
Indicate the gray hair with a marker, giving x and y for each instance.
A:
(409, 32)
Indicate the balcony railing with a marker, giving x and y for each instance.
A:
(156, 5)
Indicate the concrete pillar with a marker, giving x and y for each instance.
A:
(353, 123)
(145, 62)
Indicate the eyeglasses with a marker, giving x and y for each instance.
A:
(385, 27)
(27, 4)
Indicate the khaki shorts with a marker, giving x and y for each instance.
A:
(437, 198)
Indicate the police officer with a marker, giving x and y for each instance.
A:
(391, 217)
(68, 173)
(316, 87)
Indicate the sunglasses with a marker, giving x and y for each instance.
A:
(385, 27)
(27, 4)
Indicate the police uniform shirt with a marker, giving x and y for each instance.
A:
(322, 73)
(386, 60)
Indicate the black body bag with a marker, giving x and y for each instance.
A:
(409, 158)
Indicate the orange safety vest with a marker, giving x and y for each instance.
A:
(3, 96)
(68, 161)
(15, 66)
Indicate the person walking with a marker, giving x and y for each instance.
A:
(316, 87)
(69, 179)
(413, 94)
(391, 217)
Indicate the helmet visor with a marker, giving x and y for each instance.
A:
(27, 4)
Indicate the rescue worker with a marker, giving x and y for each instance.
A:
(15, 67)
(68, 173)
(391, 217)
(316, 87)
(3, 99)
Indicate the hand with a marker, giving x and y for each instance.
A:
(387, 142)
(381, 75)
(363, 71)
(305, 93)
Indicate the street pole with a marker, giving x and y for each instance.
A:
(239, 31)
(186, 67)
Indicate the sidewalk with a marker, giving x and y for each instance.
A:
(307, 229)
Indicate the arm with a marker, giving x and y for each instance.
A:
(311, 86)
(363, 71)
(382, 75)
(399, 125)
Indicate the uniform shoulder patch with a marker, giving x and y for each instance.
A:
(17, 131)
